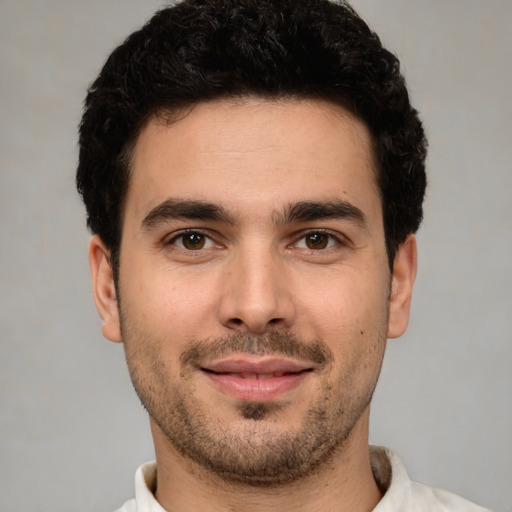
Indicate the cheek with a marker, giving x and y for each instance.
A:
(341, 307)
(351, 318)
(170, 304)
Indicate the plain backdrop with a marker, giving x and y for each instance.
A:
(72, 431)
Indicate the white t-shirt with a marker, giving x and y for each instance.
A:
(401, 494)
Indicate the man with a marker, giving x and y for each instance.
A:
(253, 174)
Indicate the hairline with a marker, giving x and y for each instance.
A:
(168, 115)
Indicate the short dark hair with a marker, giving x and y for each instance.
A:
(200, 50)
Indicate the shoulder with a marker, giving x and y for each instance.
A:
(431, 498)
(129, 506)
(402, 494)
(145, 484)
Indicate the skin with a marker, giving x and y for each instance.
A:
(257, 272)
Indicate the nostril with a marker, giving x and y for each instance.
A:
(237, 321)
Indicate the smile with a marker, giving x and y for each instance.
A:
(256, 380)
(258, 376)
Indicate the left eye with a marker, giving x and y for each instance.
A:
(316, 241)
(193, 241)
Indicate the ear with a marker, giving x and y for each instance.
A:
(402, 281)
(104, 289)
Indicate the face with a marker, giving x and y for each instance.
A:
(255, 292)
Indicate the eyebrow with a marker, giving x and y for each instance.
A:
(172, 209)
(307, 211)
(302, 211)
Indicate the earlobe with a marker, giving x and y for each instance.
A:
(104, 289)
(402, 281)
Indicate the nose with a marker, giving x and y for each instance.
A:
(256, 294)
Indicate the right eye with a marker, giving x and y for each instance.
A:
(192, 241)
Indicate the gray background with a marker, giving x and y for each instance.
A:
(72, 431)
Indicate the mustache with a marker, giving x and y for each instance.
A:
(271, 343)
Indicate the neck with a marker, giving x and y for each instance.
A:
(344, 484)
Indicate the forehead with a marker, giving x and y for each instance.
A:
(250, 153)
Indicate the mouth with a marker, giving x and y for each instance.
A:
(255, 376)
(256, 379)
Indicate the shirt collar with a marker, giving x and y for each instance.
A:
(387, 468)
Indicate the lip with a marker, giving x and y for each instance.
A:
(260, 379)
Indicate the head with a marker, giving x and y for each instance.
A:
(253, 173)
(203, 50)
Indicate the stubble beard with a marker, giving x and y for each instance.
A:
(255, 454)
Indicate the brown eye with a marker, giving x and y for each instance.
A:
(317, 241)
(192, 241)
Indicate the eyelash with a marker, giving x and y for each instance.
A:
(190, 232)
(333, 240)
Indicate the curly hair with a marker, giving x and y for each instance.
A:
(199, 50)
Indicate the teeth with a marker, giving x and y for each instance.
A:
(245, 375)
(253, 376)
